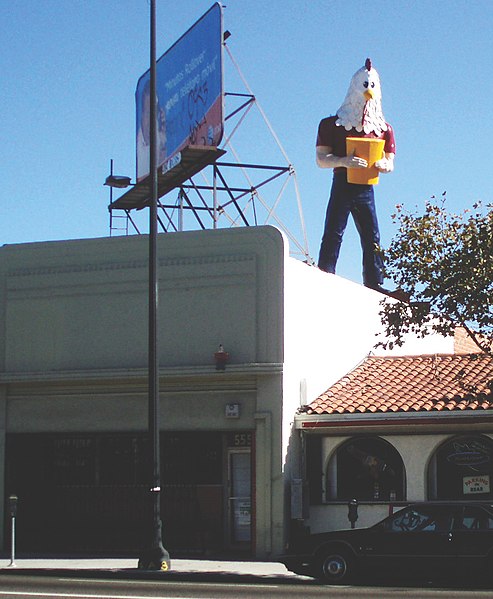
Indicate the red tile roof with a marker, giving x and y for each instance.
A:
(411, 384)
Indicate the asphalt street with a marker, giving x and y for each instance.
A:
(197, 579)
(43, 587)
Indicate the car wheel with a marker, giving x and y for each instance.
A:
(336, 566)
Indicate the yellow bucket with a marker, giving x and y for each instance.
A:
(371, 150)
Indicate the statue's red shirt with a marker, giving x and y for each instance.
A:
(334, 136)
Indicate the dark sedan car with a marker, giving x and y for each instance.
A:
(424, 539)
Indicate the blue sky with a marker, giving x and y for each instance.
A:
(70, 67)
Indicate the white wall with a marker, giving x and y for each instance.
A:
(330, 327)
(415, 346)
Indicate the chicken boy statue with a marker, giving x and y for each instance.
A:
(360, 116)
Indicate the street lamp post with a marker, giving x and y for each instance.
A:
(154, 557)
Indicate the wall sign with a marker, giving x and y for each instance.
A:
(476, 484)
(469, 452)
(232, 410)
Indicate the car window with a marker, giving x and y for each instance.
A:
(474, 518)
(418, 520)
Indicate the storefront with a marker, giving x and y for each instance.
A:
(371, 468)
(88, 492)
(398, 430)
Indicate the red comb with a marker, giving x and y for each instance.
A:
(368, 64)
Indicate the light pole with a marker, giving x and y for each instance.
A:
(154, 557)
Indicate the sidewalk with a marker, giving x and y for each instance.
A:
(128, 566)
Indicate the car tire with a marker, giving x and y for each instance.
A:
(336, 566)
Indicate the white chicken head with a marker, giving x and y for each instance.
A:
(362, 107)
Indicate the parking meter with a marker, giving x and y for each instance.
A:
(352, 512)
(13, 501)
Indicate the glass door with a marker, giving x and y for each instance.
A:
(240, 496)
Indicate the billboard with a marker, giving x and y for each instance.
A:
(189, 88)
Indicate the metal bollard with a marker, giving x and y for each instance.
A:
(13, 501)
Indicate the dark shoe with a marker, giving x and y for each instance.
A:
(397, 294)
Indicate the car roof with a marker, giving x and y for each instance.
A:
(486, 504)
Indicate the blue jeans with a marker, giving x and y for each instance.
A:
(357, 200)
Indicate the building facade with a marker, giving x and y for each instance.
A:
(74, 400)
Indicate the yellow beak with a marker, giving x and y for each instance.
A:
(368, 94)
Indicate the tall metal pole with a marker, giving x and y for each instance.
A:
(155, 557)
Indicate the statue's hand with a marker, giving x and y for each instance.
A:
(353, 162)
(384, 165)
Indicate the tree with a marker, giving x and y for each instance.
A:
(444, 263)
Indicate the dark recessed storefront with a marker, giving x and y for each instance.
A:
(88, 492)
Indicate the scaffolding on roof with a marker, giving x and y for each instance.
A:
(213, 193)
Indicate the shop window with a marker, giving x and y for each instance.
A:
(95, 460)
(192, 458)
(70, 460)
(366, 469)
(124, 460)
(462, 468)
